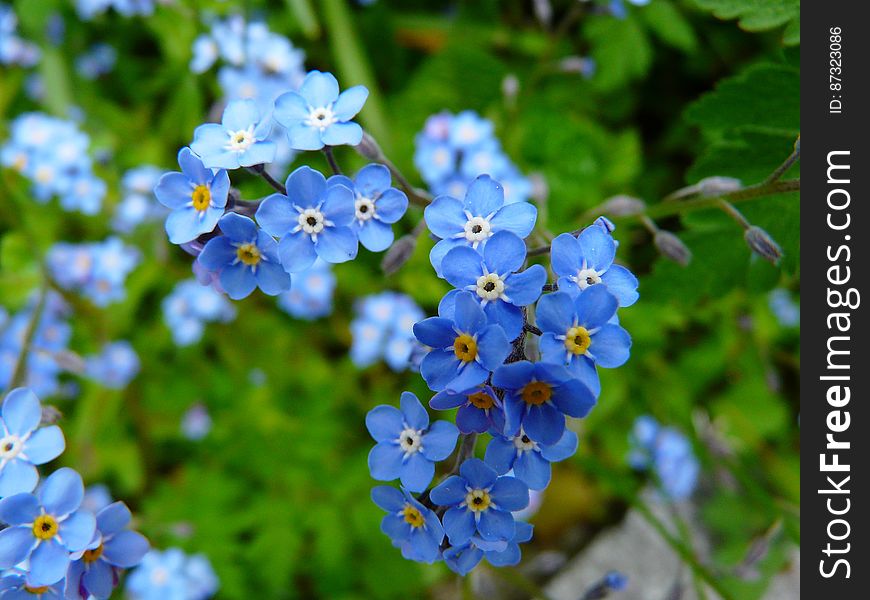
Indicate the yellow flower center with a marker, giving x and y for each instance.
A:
(201, 197)
(36, 590)
(45, 527)
(413, 517)
(578, 340)
(478, 500)
(465, 347)
(481, 400)
(248, 254)
(536, 393)
(91, 555)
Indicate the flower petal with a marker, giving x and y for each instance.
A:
(504, 253)
(44, 445)
(48, 564)
(384, 423)
(350, 102)
(21, 412)
(62, 492)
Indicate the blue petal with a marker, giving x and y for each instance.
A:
(126, 549)
(385, 423)
(518, 218)
(462, 266)
(272, 278)
(186, 224)
(584, 369)
(297, 252)
(385, 461)
(61, 492)
(611, 346)
(597, 247)
(337, 244)
(469, 316)
(319, 89)
(48, 564)
(238, 281)
(98, 579)
(391, 205)
(290, 109)
(304, 137)
(573, 398)
(595, 306)
(388, 498)
(192, 168)
(413, 412)
(445, 217)
(622, 284)
(469, 375)
(484, 196)
(500, 454)
(338, 204)
(525, 287)
(21, 412)
(350, 102)
(439, 441)
(507, 316)
(174, 190)
(19, 509)
(564, 448)
(505, 253)
(17, 476)
(477, 473)
(376, 236)
(508, 557)
(449, 492)
(533, 470)
(372, 180)
(446, 400)
(493, 347)
(417, 473)
(458, 525)
(77, 530)
(238, 228)
(276, 215)
(496, 525)
(257, 154)
(509, 493)
(544, 424)
(217, 253)
(339, 134)
(436, 332)
(566, 255)
(462, 559)
(44, 445)
(395, 528)
(439, 250)
(470, 419)
(306, 187)
(555, 313)
(438, 368)
(113, 518)
(513, 376)
(15, 545)
(240, 114)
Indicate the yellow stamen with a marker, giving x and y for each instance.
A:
(478, 500)
(91, 555)
(413, 517)
(578, 340)
(201, 197)
(36, 590)
(465, 347)
(481, 400)
(45, 527)
(249, 254)
(536, 393)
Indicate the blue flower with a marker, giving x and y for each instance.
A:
(480, 503)
(172, 575)
(46, 528)
(115, 366)
(239, 141)
(412, 527)
(407, 446)
(312, 220)
(245, 257)
(578, 333)
(197, 197)
(377, 205)
(494, 279)
(669, 453)
(473, 221)
(587, 260)
(310, 294)
(13, 586)
(468, 129)
(318, 115)
(480, 409)
(190, 306)
(529, 460)
(384, 327)
(462, 559)
(114, 548)
(22, 444)
(464, 348)
(537, 398)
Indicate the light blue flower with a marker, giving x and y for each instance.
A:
(13, 586)
(468, 129)
(480, 409)
(239, 141)
(312, 220)
(462, 559)
(529, 460)
(190, 306)
(197, 198)
(479, 503)
(384, 328)
(377, 205)
(669, 453)
(23, 444)
(494, 279)
(465, 349)
(412, 527)
(172, 575)
(46, 528)
(587, 260)
(245, 258)
(407, 445)
(537, 398)
(310, 293)
(580, 334)
(317, 115)
(115, 366)
(473, 221)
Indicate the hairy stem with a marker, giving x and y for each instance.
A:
(261, 171)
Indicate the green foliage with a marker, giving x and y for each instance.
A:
(760, 15)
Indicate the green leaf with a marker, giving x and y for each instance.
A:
(760, 15)
(667, 22)
(620, 47)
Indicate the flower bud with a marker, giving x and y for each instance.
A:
(761, 243)
(399, 253)
(716, 186)
(623, 206)
(369, 148)
(672, 247)
(69, 361)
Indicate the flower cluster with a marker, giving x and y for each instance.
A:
(477, 363)
(88, 9)
(138, 204)
(51, 544)
(384, 328)
(13, 49)
(243, 245)
(115, 366)
(310, 293)
(97, 61)
(668, 453)
(98, 270)
(51, 336)
(53, 154)
(454, 149)
(190, 306)
(172, 575)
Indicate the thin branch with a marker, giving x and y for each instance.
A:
(532, 329)
(19, 374)
(786, 165)
(330, 158)
(261, 171)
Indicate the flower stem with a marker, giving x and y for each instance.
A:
(261, 171)
(19, 374)
(330, 158)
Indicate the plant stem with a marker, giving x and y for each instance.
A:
(19, 374)
(330, 158)
(786, 165)
(261, 171)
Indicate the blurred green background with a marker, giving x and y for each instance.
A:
(277, 495)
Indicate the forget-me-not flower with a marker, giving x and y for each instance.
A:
(412, 527)
(480, 409)
(587, 260)
(529, 460)
(238, 141)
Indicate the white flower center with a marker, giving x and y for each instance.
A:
(240, 140)
(410, 440)
(311, 221)
(490, 286)
(523, 443)
(321, 118)
(10, 447)
(477, 229)
(159, 576)
(365, 208)
(587, 276)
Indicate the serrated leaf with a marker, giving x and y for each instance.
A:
(621, 47)
(759, 15)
